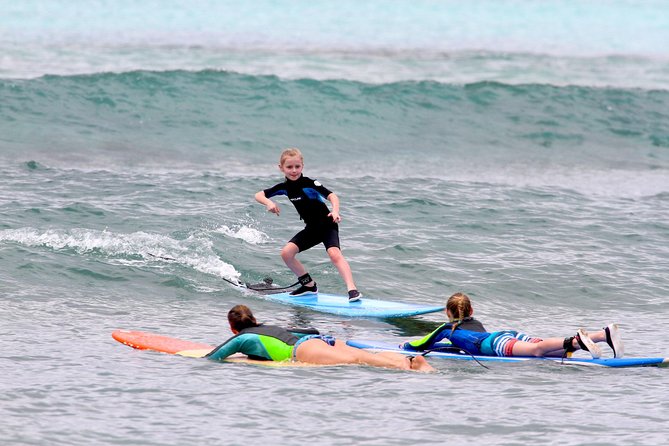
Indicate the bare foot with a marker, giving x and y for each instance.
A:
(420, 364)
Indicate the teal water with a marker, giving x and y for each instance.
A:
(589, 139)
(527, 166)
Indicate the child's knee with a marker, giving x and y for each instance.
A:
(287, 252)
(536, 351)
(335, 254)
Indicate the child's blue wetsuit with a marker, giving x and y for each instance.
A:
(309, 197)
(264, 342)
(471, 336)
(468, 335)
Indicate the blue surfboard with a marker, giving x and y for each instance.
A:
(608, 362)
(365, 307)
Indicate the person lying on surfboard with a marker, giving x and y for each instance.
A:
(467, 333)
(268, 342)
(321, 225)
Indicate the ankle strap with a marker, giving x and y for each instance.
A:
(568, 346)
(305, 279)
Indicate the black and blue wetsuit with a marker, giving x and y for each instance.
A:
(468, 335)
(264, 342)
(309, 198)
(471, 336)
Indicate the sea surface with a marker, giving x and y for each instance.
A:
(516, 151)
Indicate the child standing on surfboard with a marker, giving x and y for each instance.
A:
(308, 196)
(467, 333)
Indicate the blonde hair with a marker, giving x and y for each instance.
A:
(288, 153)
(460, 307)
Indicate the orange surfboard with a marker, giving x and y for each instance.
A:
(142, 340)
(151, 341)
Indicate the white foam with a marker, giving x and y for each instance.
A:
(249, 235)
(194, 251)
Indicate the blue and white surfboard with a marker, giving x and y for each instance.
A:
(365, 307)
(378, 346)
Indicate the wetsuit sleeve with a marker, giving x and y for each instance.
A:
(277, 189)
(429, 341)
(318, 187)
(314, 190)
(229, 347)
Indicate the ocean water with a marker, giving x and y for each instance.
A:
(516, 151)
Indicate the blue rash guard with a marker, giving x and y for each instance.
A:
(469, 335)
(264, 342)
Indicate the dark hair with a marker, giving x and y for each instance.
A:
(240, 317)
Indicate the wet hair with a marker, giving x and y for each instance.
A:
(241, 317)
(460, 308)
(290, 153)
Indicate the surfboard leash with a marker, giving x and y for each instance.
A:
(455, 350)
(264, 288)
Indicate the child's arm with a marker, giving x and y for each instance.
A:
(334, 199)
(269, 204)
(428, 341)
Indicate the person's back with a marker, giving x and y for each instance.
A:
(467, 334)
(262, 342)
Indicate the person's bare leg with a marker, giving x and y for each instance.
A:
(288, 254)
(598, 336)
(551, 346)
(316, 351)
(522, 348)
(338, 260)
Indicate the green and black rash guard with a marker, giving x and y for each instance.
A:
(264, 342)
(308, 196)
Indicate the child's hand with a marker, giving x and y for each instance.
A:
(273, 208)
(335, 216)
